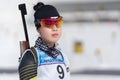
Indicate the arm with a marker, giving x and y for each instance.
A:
(28, 66)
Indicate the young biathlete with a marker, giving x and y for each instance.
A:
(48, 63)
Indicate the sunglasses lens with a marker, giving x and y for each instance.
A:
(59, 23)
(49, 22)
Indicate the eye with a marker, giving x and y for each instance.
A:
(48, 22)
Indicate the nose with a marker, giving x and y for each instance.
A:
(54, 28)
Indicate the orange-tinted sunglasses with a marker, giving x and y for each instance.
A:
(50, 22)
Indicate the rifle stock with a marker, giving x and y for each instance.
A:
(23, 46)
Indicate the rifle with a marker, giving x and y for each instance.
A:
(24, 44)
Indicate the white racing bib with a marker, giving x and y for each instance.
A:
(50, 68)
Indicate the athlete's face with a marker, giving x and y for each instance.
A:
(50, 35)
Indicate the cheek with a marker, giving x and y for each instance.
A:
(60, 32)
(44, 33)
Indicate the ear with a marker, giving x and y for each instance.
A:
(38, 30)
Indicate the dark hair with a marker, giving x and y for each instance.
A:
(44, 11)
(38, 6)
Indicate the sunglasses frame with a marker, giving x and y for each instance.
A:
(50, 22)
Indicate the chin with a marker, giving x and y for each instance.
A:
(54, 40)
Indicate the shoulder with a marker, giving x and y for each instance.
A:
(28, 66)
(27, 58)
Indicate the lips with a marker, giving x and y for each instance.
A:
(55, 35)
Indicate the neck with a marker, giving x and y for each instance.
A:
(51, 44)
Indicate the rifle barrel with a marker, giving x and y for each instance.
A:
(22, 8)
